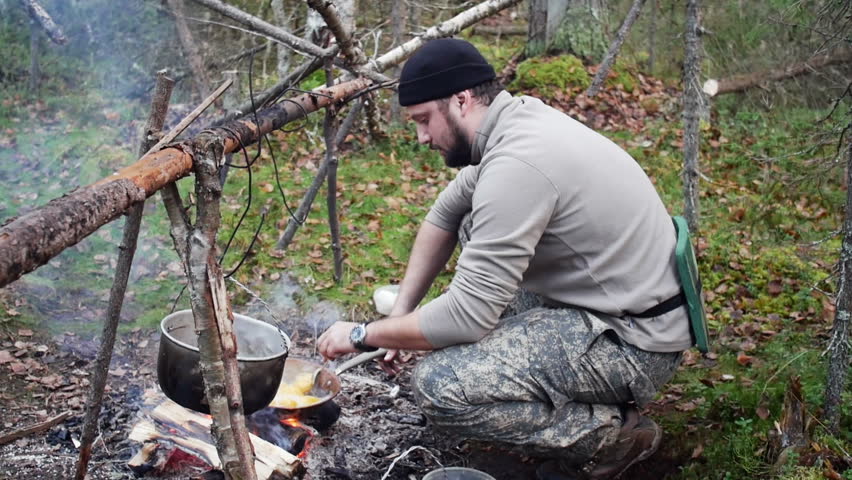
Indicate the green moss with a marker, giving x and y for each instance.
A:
(622, 76)
(550, 74)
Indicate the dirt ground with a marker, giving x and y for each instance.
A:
(380, 430)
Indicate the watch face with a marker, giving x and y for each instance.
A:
(358, 334)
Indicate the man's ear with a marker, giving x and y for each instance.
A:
(464, 100)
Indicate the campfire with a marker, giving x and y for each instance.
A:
(176, 440)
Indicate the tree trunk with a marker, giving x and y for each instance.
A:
(537, 28)
(691, 106)
(580, 31)
(35, 72)
(29, 241)
(284, 55)
(399, 20)
(838, 346)
(199, 74)
(652, 36)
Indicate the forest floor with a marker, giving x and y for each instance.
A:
(378, 424)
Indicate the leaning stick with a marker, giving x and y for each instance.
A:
(322, 172)
(159, 107)
(38, 427)
(606, 65)
(180, 127)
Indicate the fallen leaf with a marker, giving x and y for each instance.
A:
(699, 449)
(762, 412)
(25, 332)
(5, 357)
(727, 377)
(775, 287)
(12, 312)
(18, 368)
(744, 359)
(51, 381)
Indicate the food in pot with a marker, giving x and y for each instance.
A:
(295, 395)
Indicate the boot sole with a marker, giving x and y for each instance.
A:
(655, 444)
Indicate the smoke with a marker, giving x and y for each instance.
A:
(81, 123)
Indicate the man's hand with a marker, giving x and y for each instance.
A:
(390, 363)
(335, 342)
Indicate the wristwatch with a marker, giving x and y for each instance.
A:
(358, 337)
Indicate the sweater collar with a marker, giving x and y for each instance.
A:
(500, 103)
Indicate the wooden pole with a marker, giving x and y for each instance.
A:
(156, 118)
(301, 213)
(217, 344)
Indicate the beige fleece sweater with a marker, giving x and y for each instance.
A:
(564, 212)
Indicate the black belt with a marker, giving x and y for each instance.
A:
(662, 308)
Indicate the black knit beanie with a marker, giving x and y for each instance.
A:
(441, 68)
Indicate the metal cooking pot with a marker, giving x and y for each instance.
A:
(261, 347)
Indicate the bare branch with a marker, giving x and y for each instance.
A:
(283, 36)
(40, 16)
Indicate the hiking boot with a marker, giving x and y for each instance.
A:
(637, 440)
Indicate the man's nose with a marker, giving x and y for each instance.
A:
(422, 137)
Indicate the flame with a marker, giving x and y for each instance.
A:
(295, 423)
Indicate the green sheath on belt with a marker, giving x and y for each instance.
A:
(687, 269)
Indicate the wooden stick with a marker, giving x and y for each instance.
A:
(329, 129)
(187, 120)
(606, 65)
(301, 213)
(38, 427)
(213, 318)
(127, 249)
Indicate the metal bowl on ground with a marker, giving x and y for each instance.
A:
(261, 352)
(457, 473)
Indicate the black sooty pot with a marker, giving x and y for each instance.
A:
(262, 350)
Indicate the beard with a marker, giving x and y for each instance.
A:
(458, 153)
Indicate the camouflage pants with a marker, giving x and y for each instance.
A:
(550, 381)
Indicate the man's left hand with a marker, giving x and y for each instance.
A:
(335, 342)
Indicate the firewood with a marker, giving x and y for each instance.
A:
(38, 427)
(172, 425)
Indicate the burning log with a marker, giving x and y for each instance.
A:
(171, 427)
